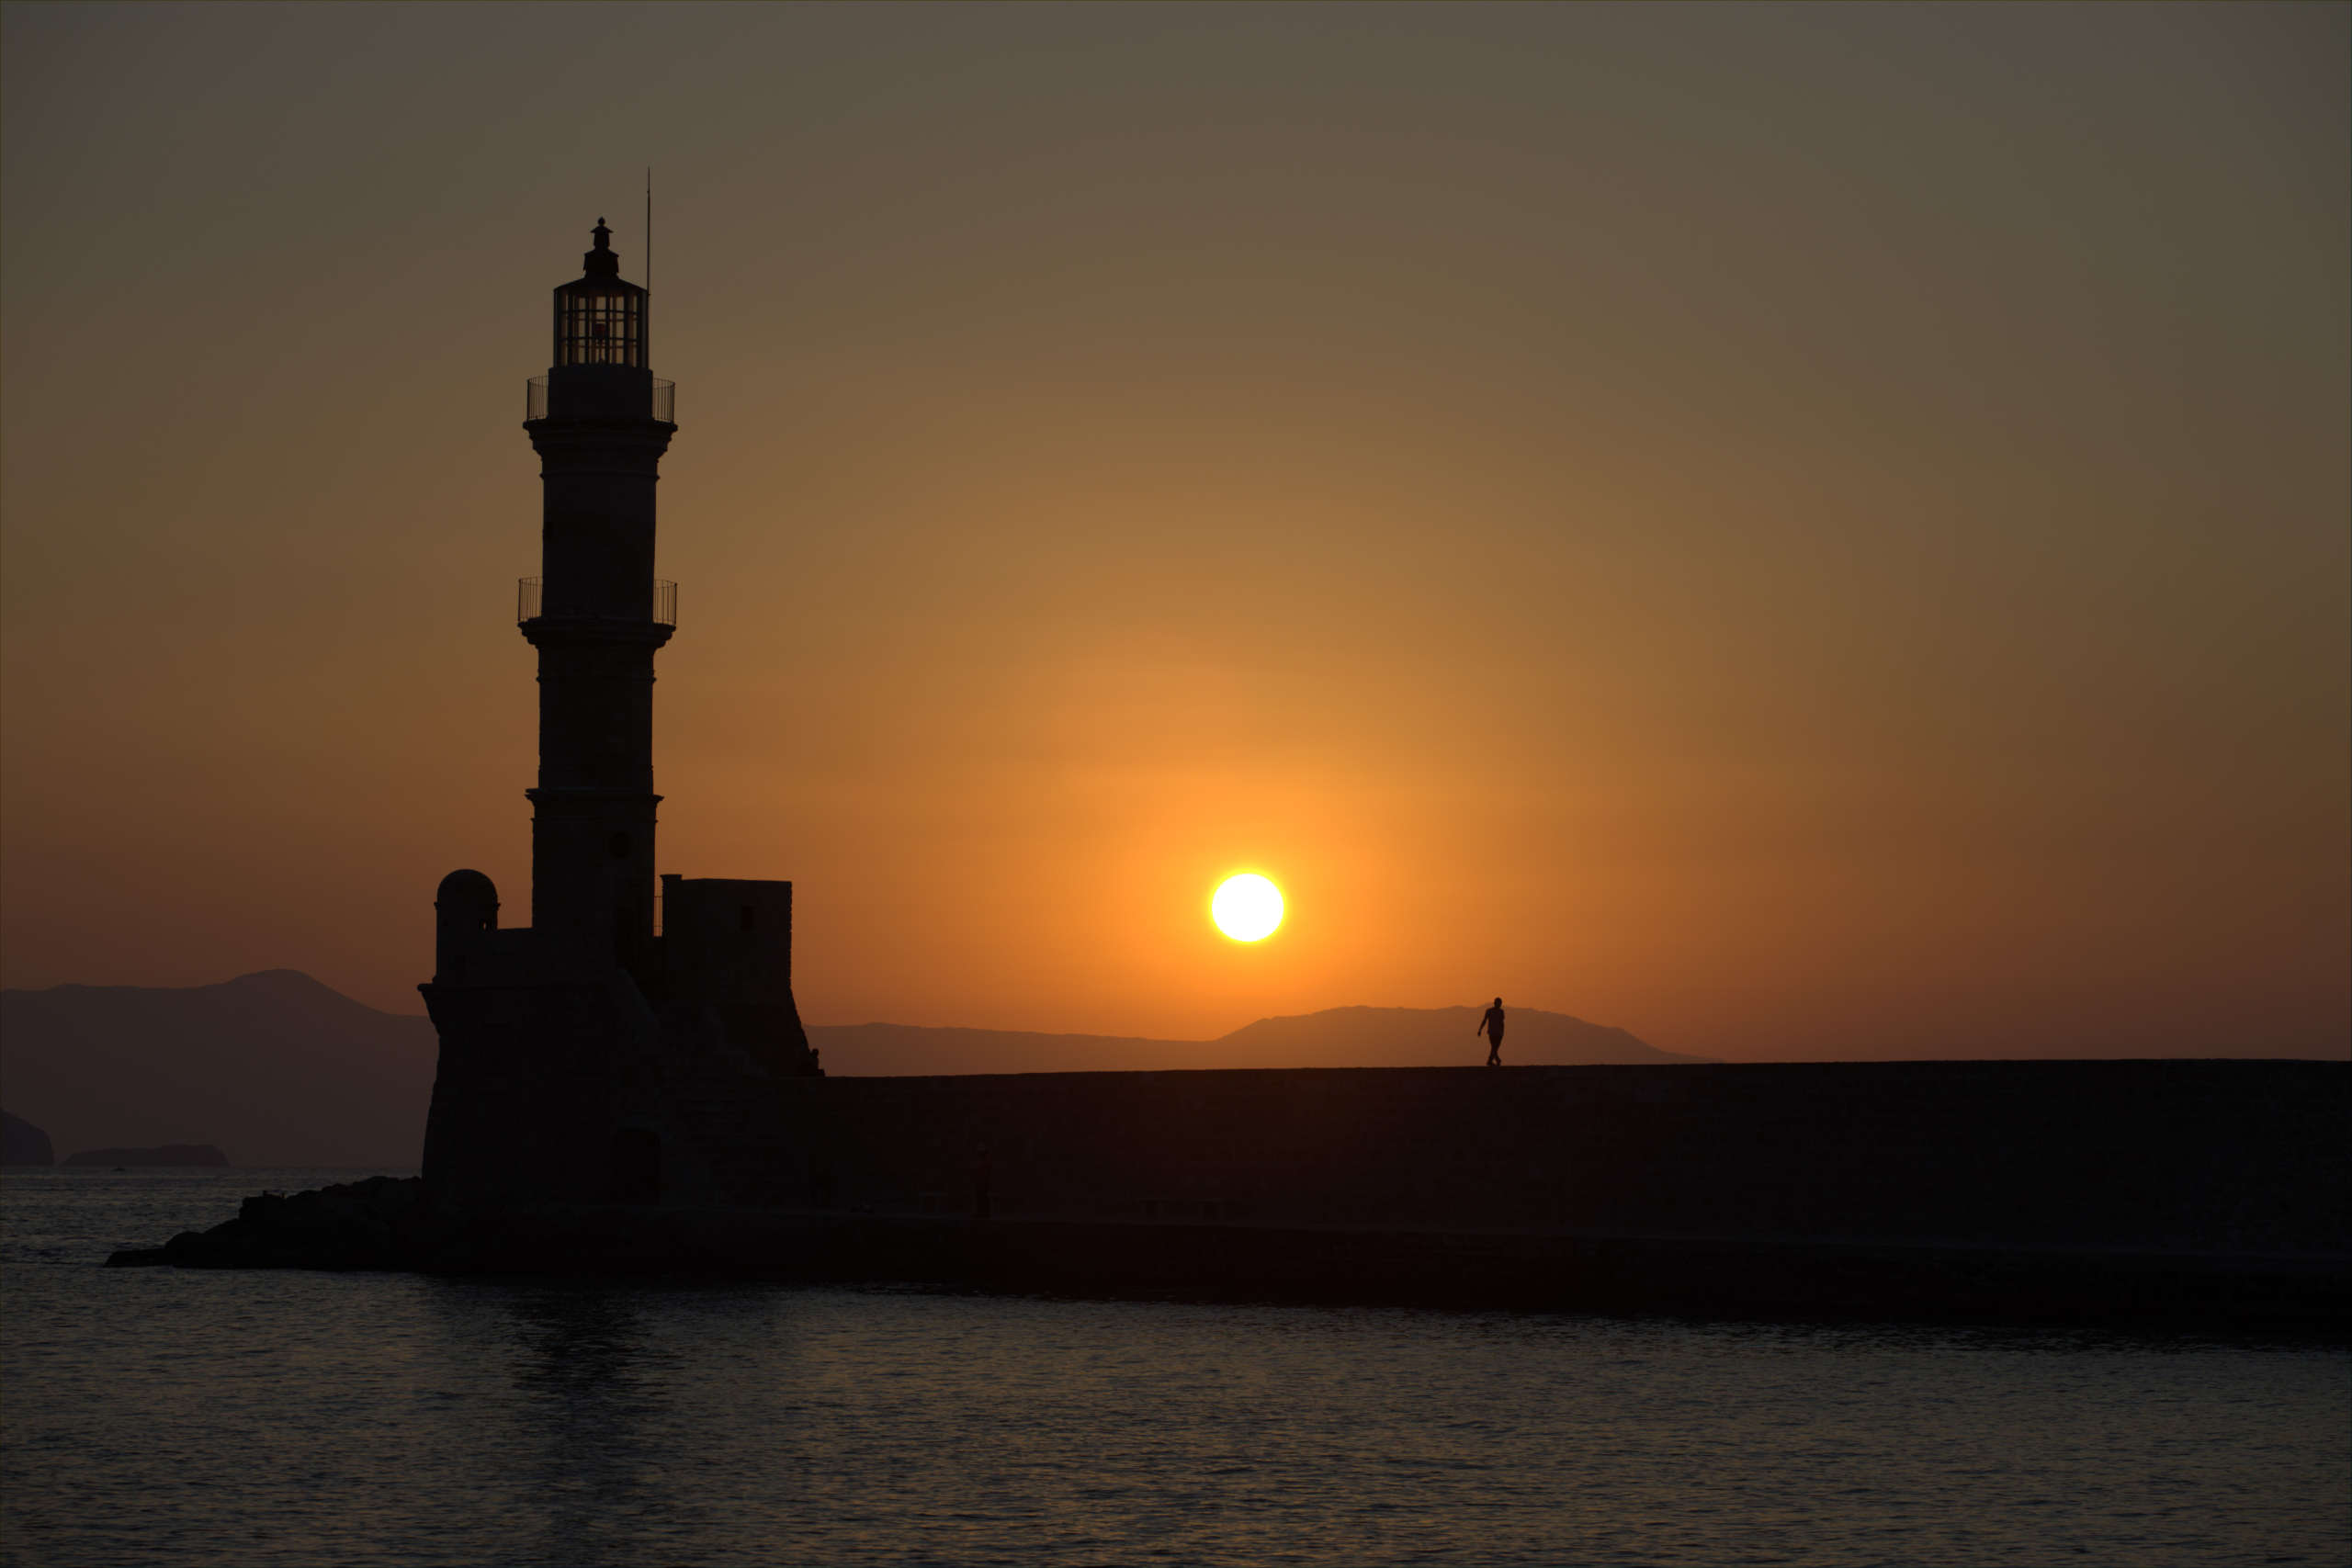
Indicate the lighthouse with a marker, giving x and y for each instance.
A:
(621, 1048)
(600, 423)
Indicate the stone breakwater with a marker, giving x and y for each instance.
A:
(2214, 1191)
(2214, 1156)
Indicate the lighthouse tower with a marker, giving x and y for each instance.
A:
(595, 1056)
(600, 423)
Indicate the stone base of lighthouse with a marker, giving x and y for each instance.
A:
(566, 1079)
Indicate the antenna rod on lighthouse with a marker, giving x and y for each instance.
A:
(648, 227)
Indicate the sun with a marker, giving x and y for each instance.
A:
(1247, 908)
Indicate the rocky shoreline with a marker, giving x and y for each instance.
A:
(381, 1223)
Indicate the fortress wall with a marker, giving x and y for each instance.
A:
(721, 1143)
(522, 1106)
(2209, 1155)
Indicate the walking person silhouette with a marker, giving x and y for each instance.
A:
(1491, 1026)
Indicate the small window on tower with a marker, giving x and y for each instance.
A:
(748, 916)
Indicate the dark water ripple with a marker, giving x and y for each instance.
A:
(156, 1417)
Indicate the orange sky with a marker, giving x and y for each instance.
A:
(1799, 532)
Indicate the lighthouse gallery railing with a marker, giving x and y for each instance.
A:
(530, 604)
(662, 405)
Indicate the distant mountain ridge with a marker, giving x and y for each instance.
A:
(1435, 1037)
(1336, 1037)
(274, 1067)
(279, 1069)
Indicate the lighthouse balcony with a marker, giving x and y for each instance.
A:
(532, 603)
(618, 392)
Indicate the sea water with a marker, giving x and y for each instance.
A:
(157, 1416)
